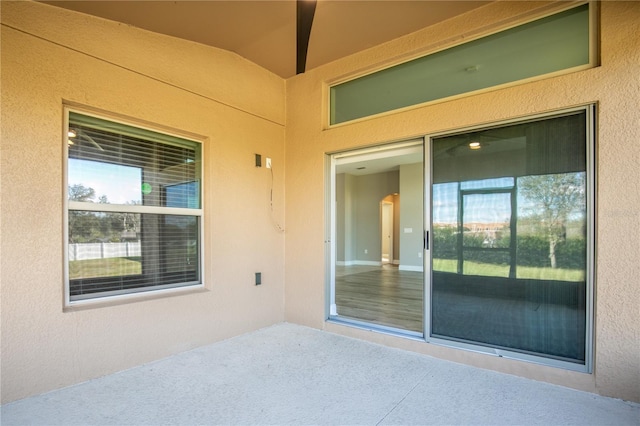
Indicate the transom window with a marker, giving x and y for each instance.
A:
(562, 42)
(134, 210)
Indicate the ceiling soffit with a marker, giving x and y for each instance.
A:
(264, 32)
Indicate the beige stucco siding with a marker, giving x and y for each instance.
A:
(614, 86)
(50, 57)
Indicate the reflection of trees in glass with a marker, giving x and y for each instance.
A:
(493, 236)
(79, 192)
(83, 226)
(445, 242)
(554, 199)
(91, 227)
(550, 226)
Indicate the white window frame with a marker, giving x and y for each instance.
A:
(101, 298)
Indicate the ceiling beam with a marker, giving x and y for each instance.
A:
(305, 9)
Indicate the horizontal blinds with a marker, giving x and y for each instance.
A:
(109, 166)
(144, 251)
(134, 219)
(127, 130)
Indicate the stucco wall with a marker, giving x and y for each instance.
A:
(614, 86)
(51, 56)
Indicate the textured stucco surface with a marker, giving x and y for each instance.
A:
(220, 75)
(614, 86)
(50, 57)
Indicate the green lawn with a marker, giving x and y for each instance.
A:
(110, 267)
(491, 270)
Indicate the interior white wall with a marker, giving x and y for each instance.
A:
(369, 192)
(411, 217)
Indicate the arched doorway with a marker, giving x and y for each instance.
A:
(389, 224)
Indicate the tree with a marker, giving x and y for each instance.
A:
(87, 226)
(554, 199)
(79, 192)
(131, 221)
(81, 223)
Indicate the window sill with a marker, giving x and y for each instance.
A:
(104, 302)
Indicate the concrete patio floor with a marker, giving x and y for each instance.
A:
(288, 374)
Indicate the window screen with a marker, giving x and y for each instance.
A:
(134, 209)
(511, 237)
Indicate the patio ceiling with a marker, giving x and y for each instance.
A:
(264, 31)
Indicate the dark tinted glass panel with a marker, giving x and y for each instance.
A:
(510, 242)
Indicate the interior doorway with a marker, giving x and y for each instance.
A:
(387, 225)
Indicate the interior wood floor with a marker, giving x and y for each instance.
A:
(381, 295)
(389, 297)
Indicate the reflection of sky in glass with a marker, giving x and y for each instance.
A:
(445, 203)
(505, 182)
(183, 195)
(487, 208)
(484, 208)
(121, 184)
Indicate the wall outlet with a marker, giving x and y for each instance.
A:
(419, 254)
(258, 278)
(268, 163)
(366, 251)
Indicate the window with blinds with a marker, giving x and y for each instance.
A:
(134, 209)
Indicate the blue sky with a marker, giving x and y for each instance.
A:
(485, 208)
(121, 184)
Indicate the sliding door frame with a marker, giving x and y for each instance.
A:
(332, 160)
(591, 183)
(331, 314)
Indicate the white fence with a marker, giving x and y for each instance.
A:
(82, 251)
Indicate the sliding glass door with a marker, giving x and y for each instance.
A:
(480, 239)
(376, 260)
(511, 229)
